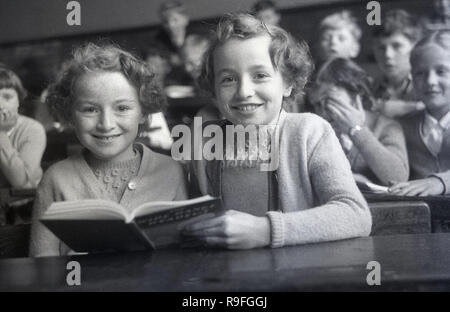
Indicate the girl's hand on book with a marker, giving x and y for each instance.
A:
(232, 230)
(423, 187)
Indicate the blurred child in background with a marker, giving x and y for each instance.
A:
(428, 133)
(339, 36)
(374, 144)
(22, 139)
(439, 18)
(393, 41)
(267, 12)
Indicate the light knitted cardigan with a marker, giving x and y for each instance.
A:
(159, 178)
(21, 153)
(318, 199)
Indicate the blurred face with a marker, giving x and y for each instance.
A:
(442, 6)
(392, 56)
(9, 107)
(9, 100)
(106, 115)
(174, 21)
(326, 93)
(193, 58)
(338, 42)
(248, 89)
(269, 16)
(158, 65)
(431, 77)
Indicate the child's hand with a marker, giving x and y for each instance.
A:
(344, 115)
(397, 108)
(423, 187)
(8, 120)
(233, 230)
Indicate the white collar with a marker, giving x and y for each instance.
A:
(444, 122)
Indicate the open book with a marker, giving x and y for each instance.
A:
(96, 225)
(366, 186)
(369, 187)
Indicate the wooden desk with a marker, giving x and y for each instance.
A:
(408, 262)
(439, 207)
(12, 199)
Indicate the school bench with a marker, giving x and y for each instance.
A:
(439, 207)
(15, 204)
(14, 240)
(15, 217)
(400, 217)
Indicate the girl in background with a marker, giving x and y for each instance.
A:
(428, 134)
(375, 145)
(22, 139)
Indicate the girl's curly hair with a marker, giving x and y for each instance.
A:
(290, 57)
(104, 58)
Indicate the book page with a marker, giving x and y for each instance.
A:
(158, 206)
(366, 185)
(89, 209)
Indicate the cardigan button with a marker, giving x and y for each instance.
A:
(132, 185)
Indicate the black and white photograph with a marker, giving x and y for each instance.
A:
(224, 151)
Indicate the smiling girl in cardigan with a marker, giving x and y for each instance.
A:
(428, 133)
(105, 93)
(252, 69)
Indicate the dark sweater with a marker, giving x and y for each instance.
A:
(422, 162)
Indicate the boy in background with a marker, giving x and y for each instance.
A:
(266, 11)
(339, 36)
(392, 45)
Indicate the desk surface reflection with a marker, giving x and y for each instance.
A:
(408, 262)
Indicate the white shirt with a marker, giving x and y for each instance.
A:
(432, 132)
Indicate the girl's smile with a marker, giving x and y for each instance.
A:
(106, 115)
(247, 108)
(431, 77)
(248, 89)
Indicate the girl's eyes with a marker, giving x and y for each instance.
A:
(88, 109)
(442, 71)
(439, 71)
(227, 80)
(261, 76)
(123, 108)
(120, 109)
(397, 46)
